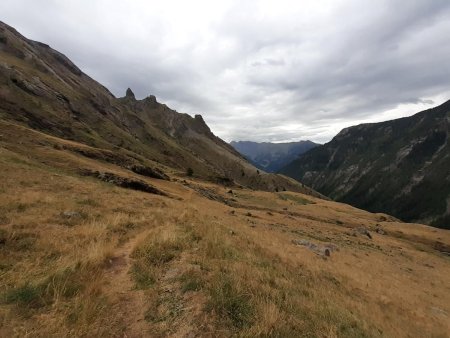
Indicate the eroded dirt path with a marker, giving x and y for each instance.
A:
(182, 311)
(129, 303)
(177, 313)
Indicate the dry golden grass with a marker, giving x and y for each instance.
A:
(79, 257)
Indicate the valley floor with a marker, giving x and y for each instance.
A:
(83, 257)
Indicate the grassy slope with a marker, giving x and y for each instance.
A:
(135, 264)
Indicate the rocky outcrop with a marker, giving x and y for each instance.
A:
(123, 182)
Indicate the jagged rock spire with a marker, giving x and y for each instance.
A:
(130, 94)
(198, 117)
(151, 98)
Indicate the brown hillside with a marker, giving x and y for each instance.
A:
(81, 256)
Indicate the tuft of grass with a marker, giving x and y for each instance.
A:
(25, 295)
(144, 275)
(4, 235)
(66, 283)
(4, 219)
(157, 252)
(63, 284)
(85, 310)
(191, 280)
(15, 206)
(152, 254)
(89, 202)
(231, 302)
(214, 244)
(21, 207)
(18, 241)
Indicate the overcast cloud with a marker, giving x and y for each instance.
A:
(257, 70)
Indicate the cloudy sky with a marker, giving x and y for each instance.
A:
(257, 70)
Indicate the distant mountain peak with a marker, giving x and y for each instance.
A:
(272, 156)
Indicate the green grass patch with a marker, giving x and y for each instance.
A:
(191, 280)
(88, 202)
(15, 206)
(144, 275)
(25, 295)
(158, 252)
(17, 241)
(231, 302)
(151, 256)
(294, 198)
(60, 285)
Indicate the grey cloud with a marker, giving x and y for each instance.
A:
(287, 72)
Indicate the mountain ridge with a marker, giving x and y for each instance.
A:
(397, 166)
(43, 89)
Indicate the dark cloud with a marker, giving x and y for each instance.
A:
(259, 70)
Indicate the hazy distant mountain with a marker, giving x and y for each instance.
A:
(401, 167)
(271, 157)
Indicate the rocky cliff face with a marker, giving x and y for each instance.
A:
(401, 167)
(43, 89)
